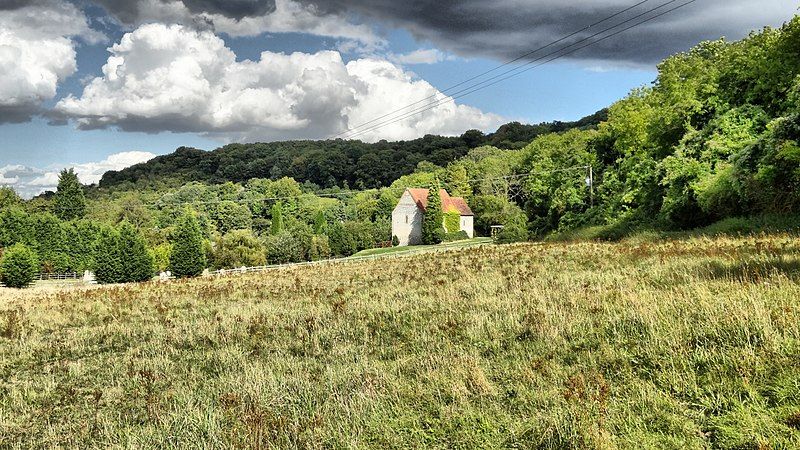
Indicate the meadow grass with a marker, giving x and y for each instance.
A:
(422, 248)
(689, 343)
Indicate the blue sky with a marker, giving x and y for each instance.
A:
(177, 74)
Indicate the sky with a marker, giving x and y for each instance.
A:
(103, 84)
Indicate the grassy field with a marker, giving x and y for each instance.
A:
(675, 344)
(423, 248)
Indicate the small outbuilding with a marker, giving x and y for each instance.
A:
(407, 215)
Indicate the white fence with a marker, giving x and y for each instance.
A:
(59, 276)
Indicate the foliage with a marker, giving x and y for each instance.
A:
(8, 198)
(433, 220)
(455, 236)
(188, 258)
(320, 223)
(160, 255)
(452, 222)
(229, 215)
(69, 202)
(80, 244)
(320, 248)
(283, 248)
(49, 242)
(556, 196)
(18, 266)
(15, 226)
(324, 163)
(121, 256)
(350, 237)
(514, 230)
(137, 262)
(277, 227)
(238, 248)
(494, 210)
(108, 261)
(395, 241)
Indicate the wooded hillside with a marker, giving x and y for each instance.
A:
(342, 163)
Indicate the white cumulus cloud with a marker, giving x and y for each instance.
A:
(37, 51)
(176, 78)
(421, 56)
(30, 181)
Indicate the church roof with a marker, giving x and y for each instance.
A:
(449, 204)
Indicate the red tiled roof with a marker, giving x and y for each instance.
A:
(420, 196)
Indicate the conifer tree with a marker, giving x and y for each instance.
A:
(69, 202)
(188, 258)
(277, 219)
(108, 267)
(433, 220)
(136, 260)
(19, 266)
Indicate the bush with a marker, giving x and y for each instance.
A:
(457, 236)
(283, 248)
(122, 256)
(108, 263)
(353, 236)
(188, 258)
(320, 248)
(238, 248)
(395, 241)
(160, 255)
(18, 266)
(514, 230)
(137, 262)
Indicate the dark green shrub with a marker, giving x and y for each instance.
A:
(395, 241)
(353, 236)
(18, 266)
(457, 236)
(137, 262)
(108, 260)
(16, 225)
(188, 258)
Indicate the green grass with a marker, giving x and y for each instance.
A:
(423, 248)
(679, 344)
(734, 226)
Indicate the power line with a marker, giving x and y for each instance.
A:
(519, 70)
(575, 33)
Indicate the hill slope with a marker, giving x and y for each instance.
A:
(684, 344)
(326, 163)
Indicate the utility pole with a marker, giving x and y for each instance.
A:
(590, 182)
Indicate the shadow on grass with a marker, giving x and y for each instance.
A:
(753, 270)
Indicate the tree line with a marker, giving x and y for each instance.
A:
(326, 164)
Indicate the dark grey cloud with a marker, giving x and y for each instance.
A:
(18, 113)
(130, 11)
(8, 5)
(505, 29)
